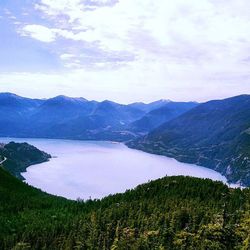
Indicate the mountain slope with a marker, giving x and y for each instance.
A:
(147, 107)
(14, 111)
(158, 116)
(77, 118)
(57, 112)
(214, 134)
(80, 119)
(65, 117)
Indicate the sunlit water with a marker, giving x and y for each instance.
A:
(84, 169)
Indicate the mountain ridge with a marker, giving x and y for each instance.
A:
(65, 117)
(212, 135)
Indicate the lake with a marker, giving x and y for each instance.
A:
(94, 169)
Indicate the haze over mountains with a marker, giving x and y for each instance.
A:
(78, 118)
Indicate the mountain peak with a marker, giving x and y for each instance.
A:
(65, 99)
(162, 101)
(9, 95)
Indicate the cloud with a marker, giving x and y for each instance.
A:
(39, 32)
(93, 4)
(135, 81)
(66, 56)
(170, 24)
(155, 47)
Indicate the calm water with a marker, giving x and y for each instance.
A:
(84, 169)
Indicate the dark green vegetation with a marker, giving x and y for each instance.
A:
(19, 156)
(214, 134)
(170, 213)
(77, 118)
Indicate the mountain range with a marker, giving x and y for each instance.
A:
(78, 118)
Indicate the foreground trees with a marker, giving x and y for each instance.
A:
(169, 213)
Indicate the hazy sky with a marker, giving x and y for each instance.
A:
(125, 50)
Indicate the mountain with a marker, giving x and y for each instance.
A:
(80, 119)
(147, 107)
(157, 117)
(61, 108)
(116, 114)
(55, 113)
(21, 155)
(14, 111)
(12, 100)
(169, 213)
(214, 134)
(77, 118)
(65, 117)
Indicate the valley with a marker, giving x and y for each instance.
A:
(113, 209)
(212, 134)
(124, 125)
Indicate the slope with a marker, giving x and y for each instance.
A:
(214, 134)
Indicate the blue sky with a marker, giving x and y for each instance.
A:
(125, 50)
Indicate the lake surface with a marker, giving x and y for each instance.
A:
(84, 169)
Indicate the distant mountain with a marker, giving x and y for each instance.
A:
(11, 100)
(157, 117)
(215, 134)
(147, 107)
(56, 112)
(80, 119)
(14, 111)
(116, 114)
(65, 117)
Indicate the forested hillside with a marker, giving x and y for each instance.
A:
(170, 213)
(19, 156)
